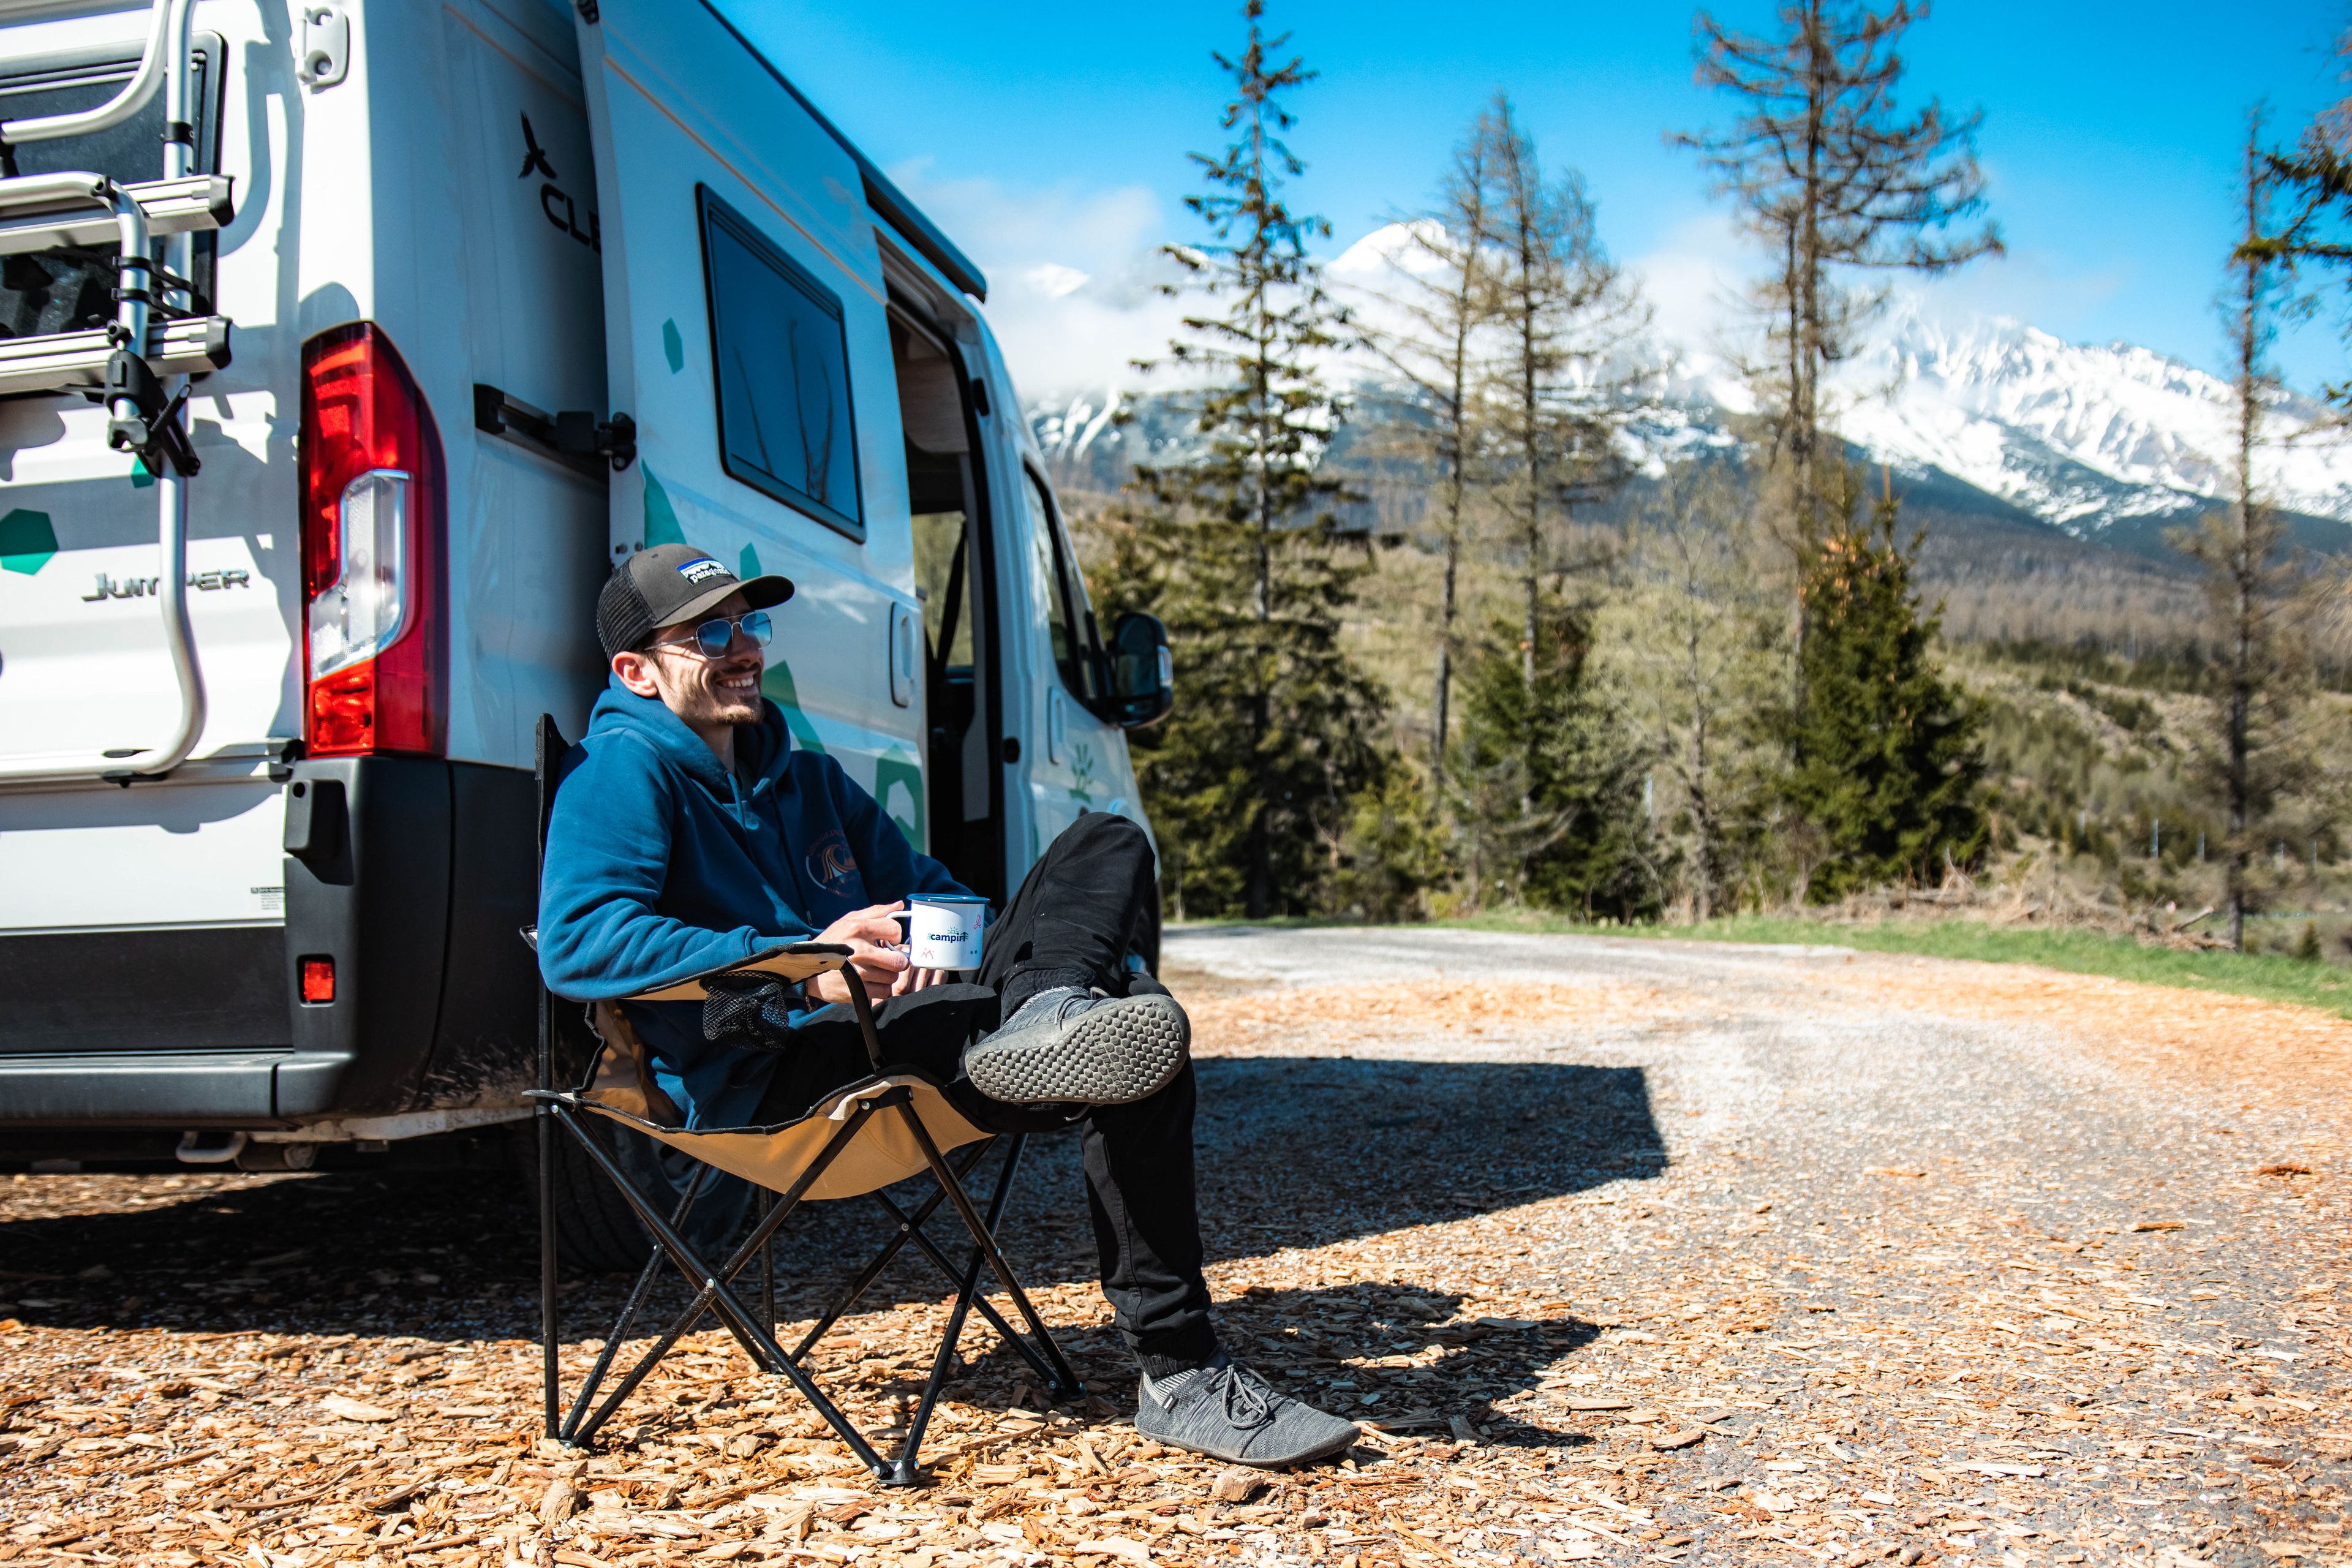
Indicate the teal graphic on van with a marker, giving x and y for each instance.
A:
(898, 785)
(661, 518)
(777, 686)
(27, 541)
(1083, 785)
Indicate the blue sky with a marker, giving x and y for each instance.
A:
(1050, 140)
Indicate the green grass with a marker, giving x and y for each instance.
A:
(2269, 977)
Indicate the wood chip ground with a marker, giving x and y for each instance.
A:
(1620, 1252)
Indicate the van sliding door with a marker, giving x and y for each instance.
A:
(956, 581)
(746, 334)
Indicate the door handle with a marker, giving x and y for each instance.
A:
(902, 656)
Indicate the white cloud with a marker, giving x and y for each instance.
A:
(1054, 281)
(2030, 284)
(1072, 275)
(1697, 284)
(1076, 278)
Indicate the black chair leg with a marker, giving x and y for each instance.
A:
(982, 1304)
(1066, 1382)
(767, 1200)
(908, 1225)
(906, 1472)
(714, 1295)
(637, 1299)
(551, 1374)
(755, 1331)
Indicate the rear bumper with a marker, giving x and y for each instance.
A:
(175, 1089)
(415, 879)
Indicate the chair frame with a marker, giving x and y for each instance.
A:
(565, 1112)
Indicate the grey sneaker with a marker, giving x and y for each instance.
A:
(1069, 1046)
(1230, 1413)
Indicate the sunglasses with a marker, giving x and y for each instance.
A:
(712, 639)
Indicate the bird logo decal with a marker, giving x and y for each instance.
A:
(534, 156)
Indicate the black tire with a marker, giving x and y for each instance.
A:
(596, 1230)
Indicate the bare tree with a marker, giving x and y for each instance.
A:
(2253, 757)
(1565, 314)
(2312, 224)
(1832, 178)
(1703, 662)
(1439, 307)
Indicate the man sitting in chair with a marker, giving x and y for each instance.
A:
(688, 833)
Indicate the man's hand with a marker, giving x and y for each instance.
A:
(914, 979)
(877, 960)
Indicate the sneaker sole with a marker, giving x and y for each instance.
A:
(1115, 1053)
(1339, 1443)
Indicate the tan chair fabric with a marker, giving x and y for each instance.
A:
(792, 968)
(884, 1152)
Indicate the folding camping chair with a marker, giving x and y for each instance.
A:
(891, 1125)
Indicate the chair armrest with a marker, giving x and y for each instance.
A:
(790, 963)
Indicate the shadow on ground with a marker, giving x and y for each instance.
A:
(1307, 1341)
(1293, 1152)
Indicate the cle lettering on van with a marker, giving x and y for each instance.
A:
(551, 197)
(144, 587)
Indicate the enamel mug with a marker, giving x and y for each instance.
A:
(943, 929)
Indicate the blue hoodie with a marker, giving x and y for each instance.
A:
(661, 864)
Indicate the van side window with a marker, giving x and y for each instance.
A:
(783, 363)
(1055, 582)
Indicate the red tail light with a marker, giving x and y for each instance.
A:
(317, 981)
(374, 544)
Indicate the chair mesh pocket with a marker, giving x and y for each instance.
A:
(752, 1010)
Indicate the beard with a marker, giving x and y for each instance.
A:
(700, 699)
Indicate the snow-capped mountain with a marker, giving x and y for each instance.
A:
(2110, 443)
(2085, 436)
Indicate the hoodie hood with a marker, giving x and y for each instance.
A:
(765, 747)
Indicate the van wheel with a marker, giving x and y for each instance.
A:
(596, 1230)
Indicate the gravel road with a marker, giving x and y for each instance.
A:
(1624, 1250)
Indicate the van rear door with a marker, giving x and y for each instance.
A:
(142, 945)
(748, 336)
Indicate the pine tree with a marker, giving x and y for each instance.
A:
(1885, 763)
(1832, 179)
(1238, 548)
(1547, 786)
(1390, 852)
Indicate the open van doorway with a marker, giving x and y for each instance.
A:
(955, 580)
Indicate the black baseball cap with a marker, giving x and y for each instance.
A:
(670, 584)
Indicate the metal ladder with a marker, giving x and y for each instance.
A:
(138, 364)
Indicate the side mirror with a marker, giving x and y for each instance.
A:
(1142, 672)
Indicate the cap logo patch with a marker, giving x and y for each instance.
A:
(706, 570)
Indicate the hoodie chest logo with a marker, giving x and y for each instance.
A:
(830, 864)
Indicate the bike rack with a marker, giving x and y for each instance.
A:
(137, 365)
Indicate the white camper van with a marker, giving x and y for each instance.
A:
(344, 347)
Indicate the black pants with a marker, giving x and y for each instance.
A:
(1070, 924)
